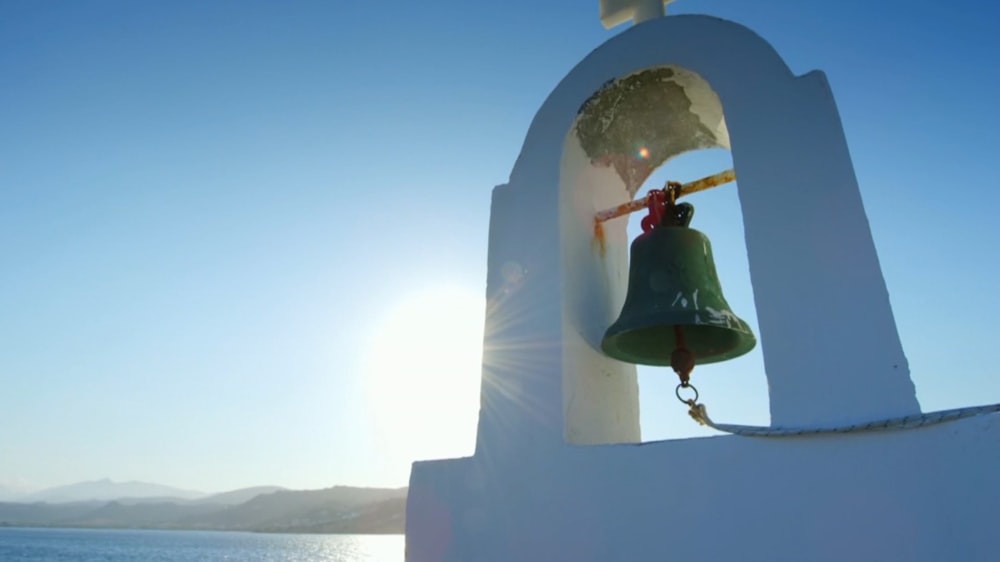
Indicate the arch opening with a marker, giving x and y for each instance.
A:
(627, 137)
(737, 388)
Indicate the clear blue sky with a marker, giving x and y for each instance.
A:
(212, 214)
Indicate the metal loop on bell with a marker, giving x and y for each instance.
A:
(678, 215)
(672, 191)
(677, 392)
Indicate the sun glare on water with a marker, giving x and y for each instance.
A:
(422, 372)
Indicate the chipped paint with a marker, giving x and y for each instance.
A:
(723, 318)
(681, 299)
(636, 123)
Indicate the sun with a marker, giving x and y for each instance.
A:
(422, 370)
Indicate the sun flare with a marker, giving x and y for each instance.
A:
(422, 373)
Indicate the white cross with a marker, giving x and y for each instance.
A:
(615, 12)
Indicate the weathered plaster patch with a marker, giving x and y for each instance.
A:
(636, 123)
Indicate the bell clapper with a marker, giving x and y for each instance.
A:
(681, 360)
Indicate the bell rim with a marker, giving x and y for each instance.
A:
(748, 342)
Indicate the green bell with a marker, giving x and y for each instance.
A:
(675, 302)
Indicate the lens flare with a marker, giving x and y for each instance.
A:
(422, 376)
(644, 153)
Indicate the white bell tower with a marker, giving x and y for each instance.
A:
(560, 472)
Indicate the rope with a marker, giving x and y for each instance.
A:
(700, 415)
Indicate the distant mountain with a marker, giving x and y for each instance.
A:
(115, 514)
(339, 509)
(289, 510)
(9, 493)
(43, 514)
(107, 490)
(235, 497)
(384, 517)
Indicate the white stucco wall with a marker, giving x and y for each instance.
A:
(600, 394)
(924, 495)
(831, 352)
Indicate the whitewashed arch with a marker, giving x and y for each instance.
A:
(830, 346)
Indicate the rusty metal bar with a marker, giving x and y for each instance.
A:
(707, 182)
(685, 189)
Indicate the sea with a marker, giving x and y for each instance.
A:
(106, 545)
